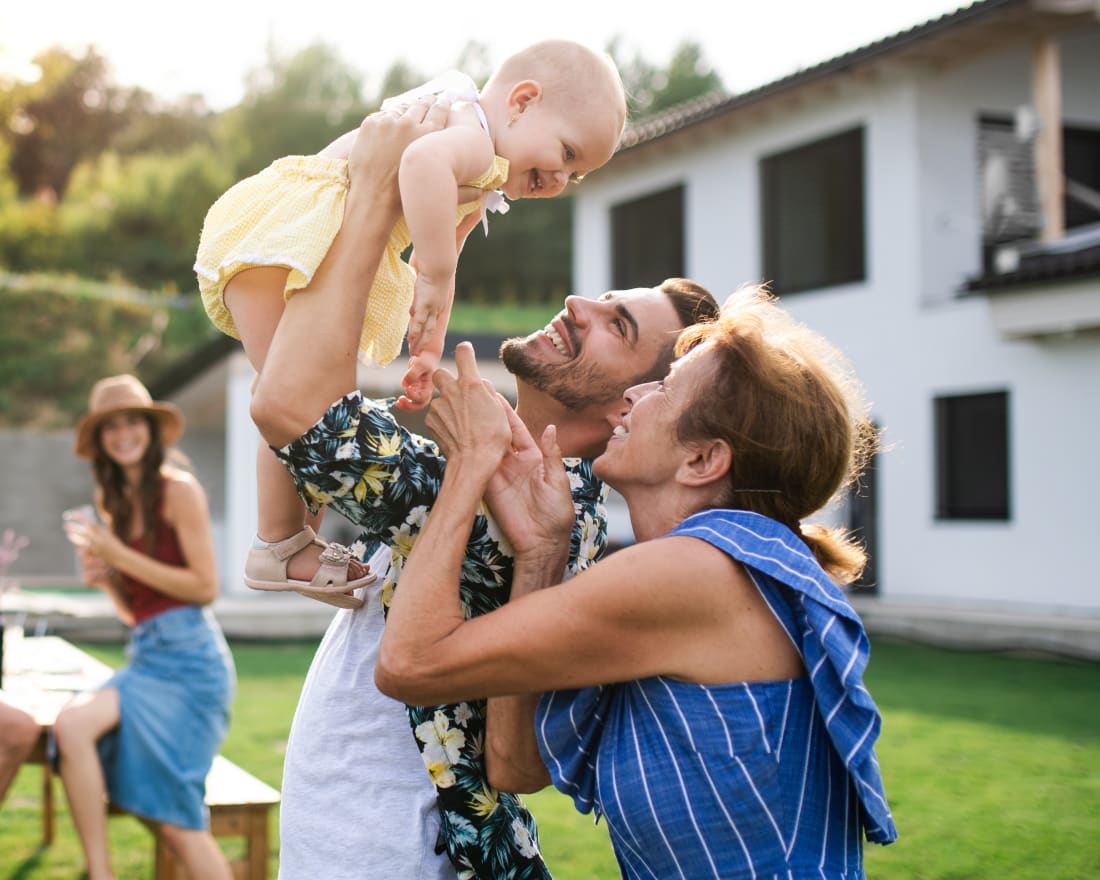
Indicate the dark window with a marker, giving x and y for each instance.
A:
(1081, 155)
(972, 456)
(863, 524)
(812, 200)
(647, 239)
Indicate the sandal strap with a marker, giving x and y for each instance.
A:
(283, 550)
(333, 571)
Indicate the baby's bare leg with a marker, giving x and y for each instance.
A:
(255, 299)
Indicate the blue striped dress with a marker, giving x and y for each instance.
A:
(759, 779)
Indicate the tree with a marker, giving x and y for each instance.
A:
(139, 217)
(72, 112)
(651, 89)
(399, 77)
(293, 106)
(688, 76)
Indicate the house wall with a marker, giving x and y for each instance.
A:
(907, 329)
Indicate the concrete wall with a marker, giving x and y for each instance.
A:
(40, 477)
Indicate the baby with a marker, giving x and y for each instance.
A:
(548, 115)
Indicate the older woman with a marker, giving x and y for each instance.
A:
(703, 687)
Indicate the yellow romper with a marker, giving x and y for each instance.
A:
(288, 215)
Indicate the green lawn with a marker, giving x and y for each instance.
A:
(991, 764)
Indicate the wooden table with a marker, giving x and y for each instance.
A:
(42, 673)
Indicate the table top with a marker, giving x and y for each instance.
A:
(42, 673)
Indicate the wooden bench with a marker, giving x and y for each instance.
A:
(240, 806)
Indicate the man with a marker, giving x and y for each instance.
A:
(356, 799)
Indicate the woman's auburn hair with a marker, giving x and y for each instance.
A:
(792, 411)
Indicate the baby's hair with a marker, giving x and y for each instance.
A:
(570, 69)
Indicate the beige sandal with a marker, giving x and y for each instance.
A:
(265, 569)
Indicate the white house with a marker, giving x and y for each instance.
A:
(931, 203)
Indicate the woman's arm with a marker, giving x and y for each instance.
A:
(672, 606)
(530, 499)
(185, 509)
(96, 573)
(188, 512)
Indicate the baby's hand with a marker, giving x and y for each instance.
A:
(431, 302)
(417, 382)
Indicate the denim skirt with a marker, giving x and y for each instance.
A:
(175, 696)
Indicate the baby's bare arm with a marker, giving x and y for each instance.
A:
(432, 169)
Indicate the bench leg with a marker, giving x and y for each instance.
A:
(47, 804)
(256, 844)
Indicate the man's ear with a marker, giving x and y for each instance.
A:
(522, 94)
(707, 462)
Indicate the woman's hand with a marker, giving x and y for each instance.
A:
(92, 538)
(529, 494)
(94, 571)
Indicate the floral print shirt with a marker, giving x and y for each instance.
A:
(383, 478)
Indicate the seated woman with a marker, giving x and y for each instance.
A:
(148, 736)
(704, 686)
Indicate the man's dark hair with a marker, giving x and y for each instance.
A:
(694, 305)
(693, 302)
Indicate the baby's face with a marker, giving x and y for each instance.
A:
(547, 148)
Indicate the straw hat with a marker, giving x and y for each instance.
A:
(125, 393)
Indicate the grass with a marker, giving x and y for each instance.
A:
(510, 319)
(990, 763)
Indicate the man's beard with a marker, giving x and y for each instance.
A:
(576, 386)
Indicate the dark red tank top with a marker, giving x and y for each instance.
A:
(146, 601)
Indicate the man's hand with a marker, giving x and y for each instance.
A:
(382, 138)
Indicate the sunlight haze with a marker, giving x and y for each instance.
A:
(208, 47)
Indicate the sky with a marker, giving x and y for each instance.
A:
(207, 46)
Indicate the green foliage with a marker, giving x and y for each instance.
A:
(140, 217)
(651, 89)
(168, 129)
(293, 106)
(688, 76)
(69, 114)
(109, 184)
(136, 218)
(55, 343)
(526, 257)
